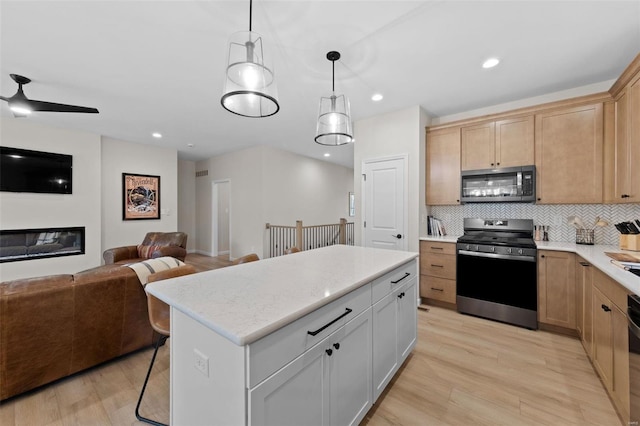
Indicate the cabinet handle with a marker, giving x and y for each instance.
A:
(492, 164)
(336, 345)
(625, 196)
(406, 274)
(539, 199)
(436, 248)
(606, 308)
(437, 289)
(542, 255)
(497, 164)
(584, 264)
(401, 295)
(437, 266)
(329, 352)
(313, 333)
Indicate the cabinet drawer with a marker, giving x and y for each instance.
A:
(436, 247)
(273, 351)
(611, 289)
(439, 265)
(438, 288)
(385, 284)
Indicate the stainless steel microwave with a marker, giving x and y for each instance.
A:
(510, 184)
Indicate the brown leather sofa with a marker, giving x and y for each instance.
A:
(155, 244)
(54, 326)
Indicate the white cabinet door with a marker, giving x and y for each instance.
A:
(394, 333)
(385, 361)
(407, 320)
(350, 368)
(296, 395)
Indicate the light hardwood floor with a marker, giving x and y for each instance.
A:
(463, 371)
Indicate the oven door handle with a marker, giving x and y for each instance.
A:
(634, 329)
(497, 256)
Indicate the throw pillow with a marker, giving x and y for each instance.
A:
(145, 252)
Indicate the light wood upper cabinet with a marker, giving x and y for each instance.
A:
(443, 167)
(627, 144)
(557, 288)
(501, 143)
(569, 155)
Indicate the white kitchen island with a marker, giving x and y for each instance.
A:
(310, 338)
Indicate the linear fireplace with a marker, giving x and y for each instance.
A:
(28, 244)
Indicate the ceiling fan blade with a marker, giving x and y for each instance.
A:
(4, 99)
(54, 107)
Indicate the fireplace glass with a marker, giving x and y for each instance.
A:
(27, 244)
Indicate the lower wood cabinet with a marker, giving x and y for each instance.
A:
(611, 339)
(584, 303)
(557, 288)
(438, 271)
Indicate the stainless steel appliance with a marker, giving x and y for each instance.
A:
(509, 184)
(497, 271)
(633, 312)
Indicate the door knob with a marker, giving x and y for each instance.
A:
(397, 236)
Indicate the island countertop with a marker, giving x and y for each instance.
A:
(246, 302)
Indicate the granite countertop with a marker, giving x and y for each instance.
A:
(593, 254)
(246, 302)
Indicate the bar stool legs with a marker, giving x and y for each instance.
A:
(159, 343)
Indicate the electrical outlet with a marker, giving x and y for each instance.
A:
(201, 362)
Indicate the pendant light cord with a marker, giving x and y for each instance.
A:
(250, 13)
(333, 76)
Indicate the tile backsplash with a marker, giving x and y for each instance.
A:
(555, 216)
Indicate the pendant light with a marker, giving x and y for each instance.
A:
(250, 89)
(334, 117)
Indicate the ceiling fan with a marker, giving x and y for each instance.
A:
(22, 106)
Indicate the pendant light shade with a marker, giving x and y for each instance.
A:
(250, 88)
(334, 117)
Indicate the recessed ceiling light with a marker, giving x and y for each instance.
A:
(377, 97)
(326, 154)
(490, 63)
(190, 145)
(156, 135)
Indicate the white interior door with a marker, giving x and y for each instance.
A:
(385, 203)
(220, 219)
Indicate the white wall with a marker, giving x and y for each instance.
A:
(126, 157)
(268, 185)
(81, 208)
(397, 133)
(187, 201)
(303, 188)
(243, 169)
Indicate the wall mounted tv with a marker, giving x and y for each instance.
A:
(23, 170)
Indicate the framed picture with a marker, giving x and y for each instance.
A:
(140, 196)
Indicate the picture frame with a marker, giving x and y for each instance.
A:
(140, 197)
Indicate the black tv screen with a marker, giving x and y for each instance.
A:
(23, 170)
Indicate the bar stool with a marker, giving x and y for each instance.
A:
(252, 257)
(159, 317)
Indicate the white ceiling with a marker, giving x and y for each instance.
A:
(159, 65)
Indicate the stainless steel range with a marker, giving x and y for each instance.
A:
(497, 271)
